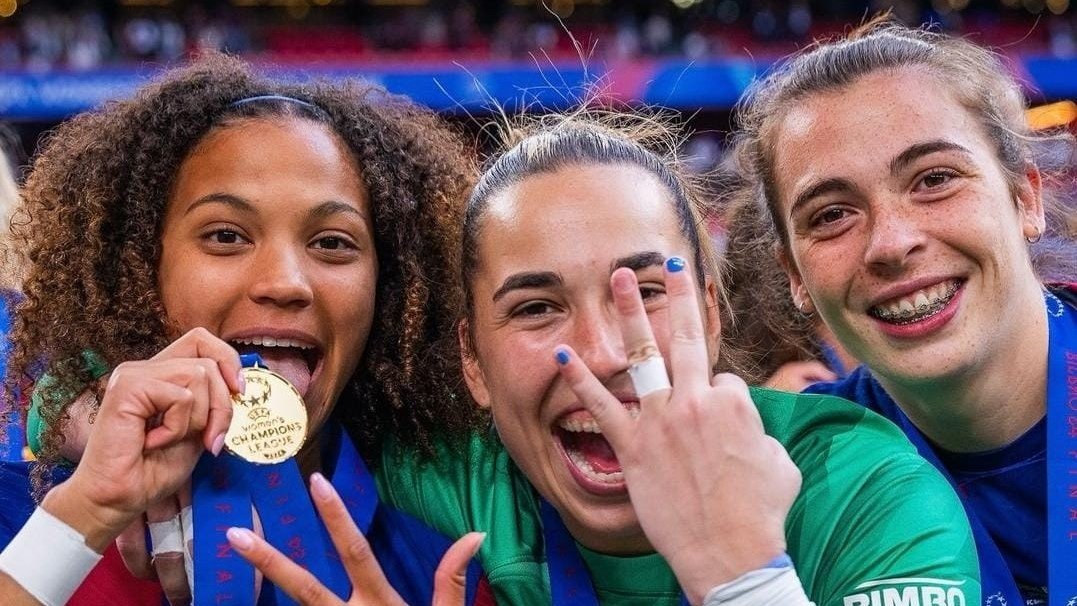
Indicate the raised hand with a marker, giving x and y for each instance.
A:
(369, 585)
(710, 488)
(156, 418)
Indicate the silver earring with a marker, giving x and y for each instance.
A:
(1035, 238)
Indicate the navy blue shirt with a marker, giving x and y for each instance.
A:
(1006, 488)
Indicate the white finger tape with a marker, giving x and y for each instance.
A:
(649, 376)
(187, 522)
(167, 536)
(48, 558)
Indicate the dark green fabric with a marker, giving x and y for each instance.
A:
(870, 511)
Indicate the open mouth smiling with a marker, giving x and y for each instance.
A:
(589, 456)
(296, 359)
(917, 306)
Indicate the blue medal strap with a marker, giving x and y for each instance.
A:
(224, 490)
(1061, 453)
(570, 582)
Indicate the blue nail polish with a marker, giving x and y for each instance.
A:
(562, 356)
(674, 264)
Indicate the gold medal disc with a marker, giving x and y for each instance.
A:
(269, 421)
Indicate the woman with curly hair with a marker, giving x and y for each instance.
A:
(895, 168)
(311, 224)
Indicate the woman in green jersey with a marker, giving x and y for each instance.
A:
(582, 264)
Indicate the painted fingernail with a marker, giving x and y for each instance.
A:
(674, 264)
(240, 538)
(320, 487)
(218, 444)
(242, 382)
(561, 355)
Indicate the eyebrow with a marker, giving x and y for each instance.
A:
(899, 163)
(221, 198)
(918, 150)
(527, 279)
(333, 207)
(323, 210)
(638, 261)
(826, 186)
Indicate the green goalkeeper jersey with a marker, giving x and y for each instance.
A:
(873, 525)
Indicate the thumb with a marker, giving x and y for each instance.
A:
(450, 579)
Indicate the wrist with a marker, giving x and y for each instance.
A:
(100, 524)
(700, 571)
(48, 559)
(775, 583)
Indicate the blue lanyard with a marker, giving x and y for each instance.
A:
(224, 490)
(570, 583)
(996, 579)
(1061, 453)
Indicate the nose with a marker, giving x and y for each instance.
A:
(597, 340)
(895, 238)
(280, 277)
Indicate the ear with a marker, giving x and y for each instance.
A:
(473, 376)
(1030, 204)
(712, 318)
(800, 295)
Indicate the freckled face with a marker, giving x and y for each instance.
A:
(904, 233)
(547, 246)
(268, 243)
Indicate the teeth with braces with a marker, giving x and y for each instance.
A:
(921, 305)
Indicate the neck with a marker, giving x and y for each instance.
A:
(628, 543)
(990, 404)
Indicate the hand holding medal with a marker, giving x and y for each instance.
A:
(710, 488)
(186, 391)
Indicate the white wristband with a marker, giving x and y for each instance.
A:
(48, 558)
(762, 587)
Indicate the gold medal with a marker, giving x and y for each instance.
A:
(269, 421)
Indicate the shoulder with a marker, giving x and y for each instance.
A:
(870, 507)
(473, 486)
(820, 421)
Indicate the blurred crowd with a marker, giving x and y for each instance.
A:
(52, 34)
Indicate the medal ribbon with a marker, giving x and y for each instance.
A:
(226, 487)
(570, 582)
(1061, 453)
(997, 581)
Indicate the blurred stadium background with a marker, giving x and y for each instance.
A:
(694, 56)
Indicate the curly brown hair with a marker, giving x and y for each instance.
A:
(94, 204)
